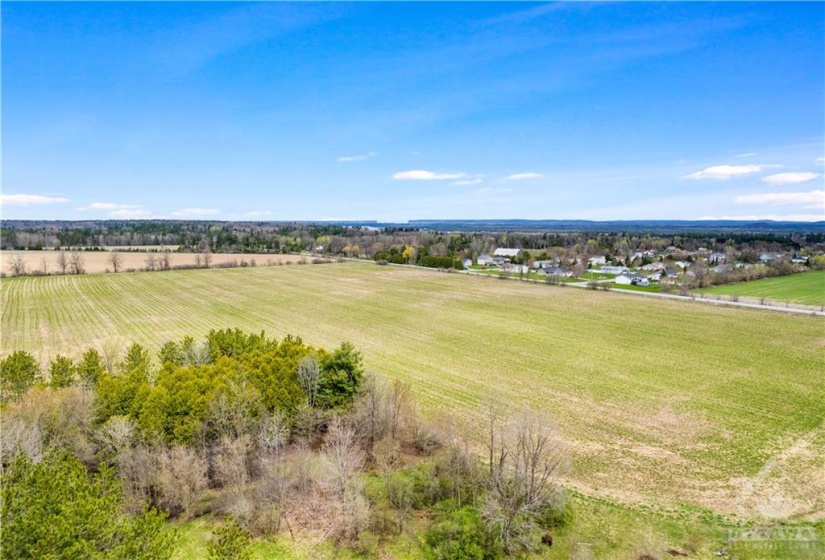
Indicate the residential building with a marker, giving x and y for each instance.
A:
(507, 253)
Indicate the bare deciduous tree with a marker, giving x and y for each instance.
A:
(151, 262)
(21, 434)
(700, 273)
(116, 260)
(165, 261)
(62, 262)
(522, 486)
(273, 432)
(342, 455)
(270, 496)
(232, 412)
(17, 265)
(111, 350)
(74, 407)
(383, 410)
(355, 511)
(302, 467)
(308, 376)
(116, 434)
(137, 470)
(77, 264)
(492, 432)
(181, 477)
(231, 461)
(459, 464)
(685, 286)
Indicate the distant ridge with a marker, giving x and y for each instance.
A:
(629, 226)
(653, 226)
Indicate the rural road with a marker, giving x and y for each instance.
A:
(768, 307)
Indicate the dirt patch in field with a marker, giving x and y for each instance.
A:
(673, 426)
(655, 452)
(790, 485)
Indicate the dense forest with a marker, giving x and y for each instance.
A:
(273, 437)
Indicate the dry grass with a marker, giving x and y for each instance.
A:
(100, 261)
(662, 402)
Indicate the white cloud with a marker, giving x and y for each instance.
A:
(521, 176)
(790, 178)
(191, 212)
(490, 190)
(362, 157)
(475, 181)
(771, 217)
(421, 175)
(130, 213)
(28, 199)
(746, 154)
(724, 172)
(122, 211)
(820, 160)
(812, 199)
(108, 206)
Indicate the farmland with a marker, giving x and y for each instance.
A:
(661, 403)
(46, 262)
(807, 288)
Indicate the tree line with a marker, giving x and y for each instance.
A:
(273, 437)
(390, 242)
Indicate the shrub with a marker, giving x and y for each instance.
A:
(367, 544)
(461, 535)
(54, 509)
(231, 542)
(555, 517)
(18, 374)
(62, 372)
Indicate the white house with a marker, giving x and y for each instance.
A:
(597, 260)
(653, 267)
(543, 264)
(610, 269)
(507, 253)
(468, 263)
(631, 278)
(515, 268)
(558, 271)
(484, 260)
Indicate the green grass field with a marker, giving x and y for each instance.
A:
(633, 288)
(598, 529)
(807, 288)
(661, 403)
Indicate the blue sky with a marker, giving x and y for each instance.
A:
(397, 111)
